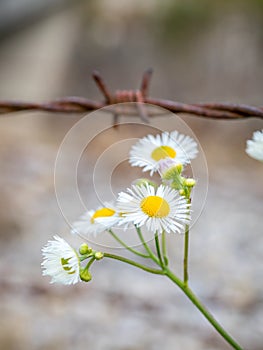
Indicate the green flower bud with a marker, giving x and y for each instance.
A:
(189, 182)
(85, 275)
(84, 249)
(182, 192)
(169, 169)
(98, 255)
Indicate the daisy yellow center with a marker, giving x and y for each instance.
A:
(163, 152)
(155, 206)
(100, 213)
(64, 263)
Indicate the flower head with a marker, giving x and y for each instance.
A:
(159, 209)
(60, 261)
(97, 221)
(255, 146)
(150, 150)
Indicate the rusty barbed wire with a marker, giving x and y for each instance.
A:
(75, 104)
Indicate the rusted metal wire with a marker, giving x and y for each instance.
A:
(81, 104)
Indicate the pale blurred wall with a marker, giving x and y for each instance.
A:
(199, 53)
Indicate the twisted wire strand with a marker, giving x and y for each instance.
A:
(75, 104)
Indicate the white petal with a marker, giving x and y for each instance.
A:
(255, 146)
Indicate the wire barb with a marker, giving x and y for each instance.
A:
(142, 111)
(102, 86)
(146, 78)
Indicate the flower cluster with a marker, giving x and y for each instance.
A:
(163, 207)
(160, 208)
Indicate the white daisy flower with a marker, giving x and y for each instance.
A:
(97, 221)
(159, 209)
(148, 151)
(61, 262)
(255, 146)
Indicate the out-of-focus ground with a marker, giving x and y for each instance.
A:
(200, 51)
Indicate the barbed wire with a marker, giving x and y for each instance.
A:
(75, 104)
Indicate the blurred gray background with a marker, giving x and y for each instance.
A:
(201, 51)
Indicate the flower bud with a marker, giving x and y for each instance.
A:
(190, 182)
(169, 169)
(84, 249)
(98, 255)
(85, 275)
(182, 192)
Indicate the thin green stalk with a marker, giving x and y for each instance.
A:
(90, 263)
(85, 256)
(147, 248)
(182, 284)
(188, 292)
(134, 251)
(164, 252)
(158, 249)
(133, 263)
(186, 253)
(186, 245)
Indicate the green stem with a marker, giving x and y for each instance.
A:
(85, 256)
(186, 253)
(186, 243)
(133, 263)
(90, 263)
(126, 246)
(158, 249)
(188, 292)
(147, 248)
(164, 252)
